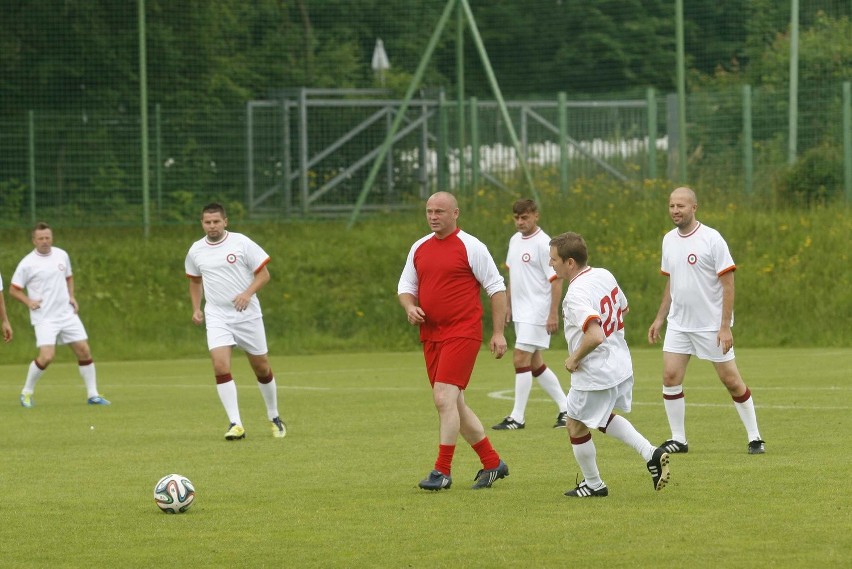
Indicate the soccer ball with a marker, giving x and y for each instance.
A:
(174, 493)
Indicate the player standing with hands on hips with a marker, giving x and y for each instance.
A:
(699, 302)
(600, 365)
(228, 269)
(439, 291)
(46, 275)
(535, 292)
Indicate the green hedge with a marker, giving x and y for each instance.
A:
(334, 289)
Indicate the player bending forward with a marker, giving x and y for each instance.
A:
(600, 365)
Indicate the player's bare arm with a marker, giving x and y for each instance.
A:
(7, 328)
(242, 300)
(19, 295)
(195, 294)
(555, 299)
(499, 310)
(725, 339)
(69, 283)
(657, 324)
(413, 313)
(593, 336)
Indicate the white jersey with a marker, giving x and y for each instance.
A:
(45, 277)
(530, 277)
(694, 263)
(226, 268)
(593, 295)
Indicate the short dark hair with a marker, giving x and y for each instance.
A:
(39, 226)
(570, 245)
(521, 207)
(214, 207)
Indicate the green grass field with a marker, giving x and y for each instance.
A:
(340, 490)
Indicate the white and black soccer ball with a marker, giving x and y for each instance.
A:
(174, 494)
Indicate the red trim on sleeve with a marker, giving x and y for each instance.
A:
(590, 319)
(665, 274)
(728, 270)
(192, 276)
(553, 278)
(263, 264)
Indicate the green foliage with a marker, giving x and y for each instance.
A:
(334, 288)
(815, 178)
(12, 193)
(340, 490)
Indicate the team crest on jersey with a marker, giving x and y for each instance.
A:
(231, 258)
(61, 267)
(526, 258)
(692, 259)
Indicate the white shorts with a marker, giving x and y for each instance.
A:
(593, 408)
(531, 337)
(65, 331)
(250, 336)
(701, 344)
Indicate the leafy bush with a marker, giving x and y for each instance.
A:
(815, 178)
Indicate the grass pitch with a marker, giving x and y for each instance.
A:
(340, 489)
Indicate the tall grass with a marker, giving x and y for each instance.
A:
(335, 289)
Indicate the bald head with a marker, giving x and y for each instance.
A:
(682, 206)
(684, 193)
(442, 211)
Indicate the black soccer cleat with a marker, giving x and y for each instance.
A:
(658, 466)
(436, 480)
(561, 420)
(672, 446)
(756, 446)
(583, 490)
(508, 424)
(485, 478)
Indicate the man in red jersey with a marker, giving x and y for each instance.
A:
(439, 290)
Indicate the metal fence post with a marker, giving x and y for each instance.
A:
(158, 154)
(563, 142)
(303, 149)
(32, 158)
(673, 134)
(474, 146)
(748, 146)
(443, 166)
(651, 102)
(847, 140)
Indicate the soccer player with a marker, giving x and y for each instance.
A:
(439, 290)
(534, 295)
(600, 365)
(46, 275)
(699, 301)
(228, 269)
(7, 328)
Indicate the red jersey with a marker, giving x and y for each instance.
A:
(445, 276)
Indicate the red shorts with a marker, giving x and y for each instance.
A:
(451, 361)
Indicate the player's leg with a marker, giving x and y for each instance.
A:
(46, 353)
(439, 478)
(677, 349)
(251, 337)
(585, 453)
(619, 427)
(221, 342)
(550, 383)
(730, 376)
(86, 367)
(521, 358)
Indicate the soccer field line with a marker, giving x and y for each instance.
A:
(509, 395)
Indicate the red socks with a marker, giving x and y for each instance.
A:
(445, 459)
(487, 455)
